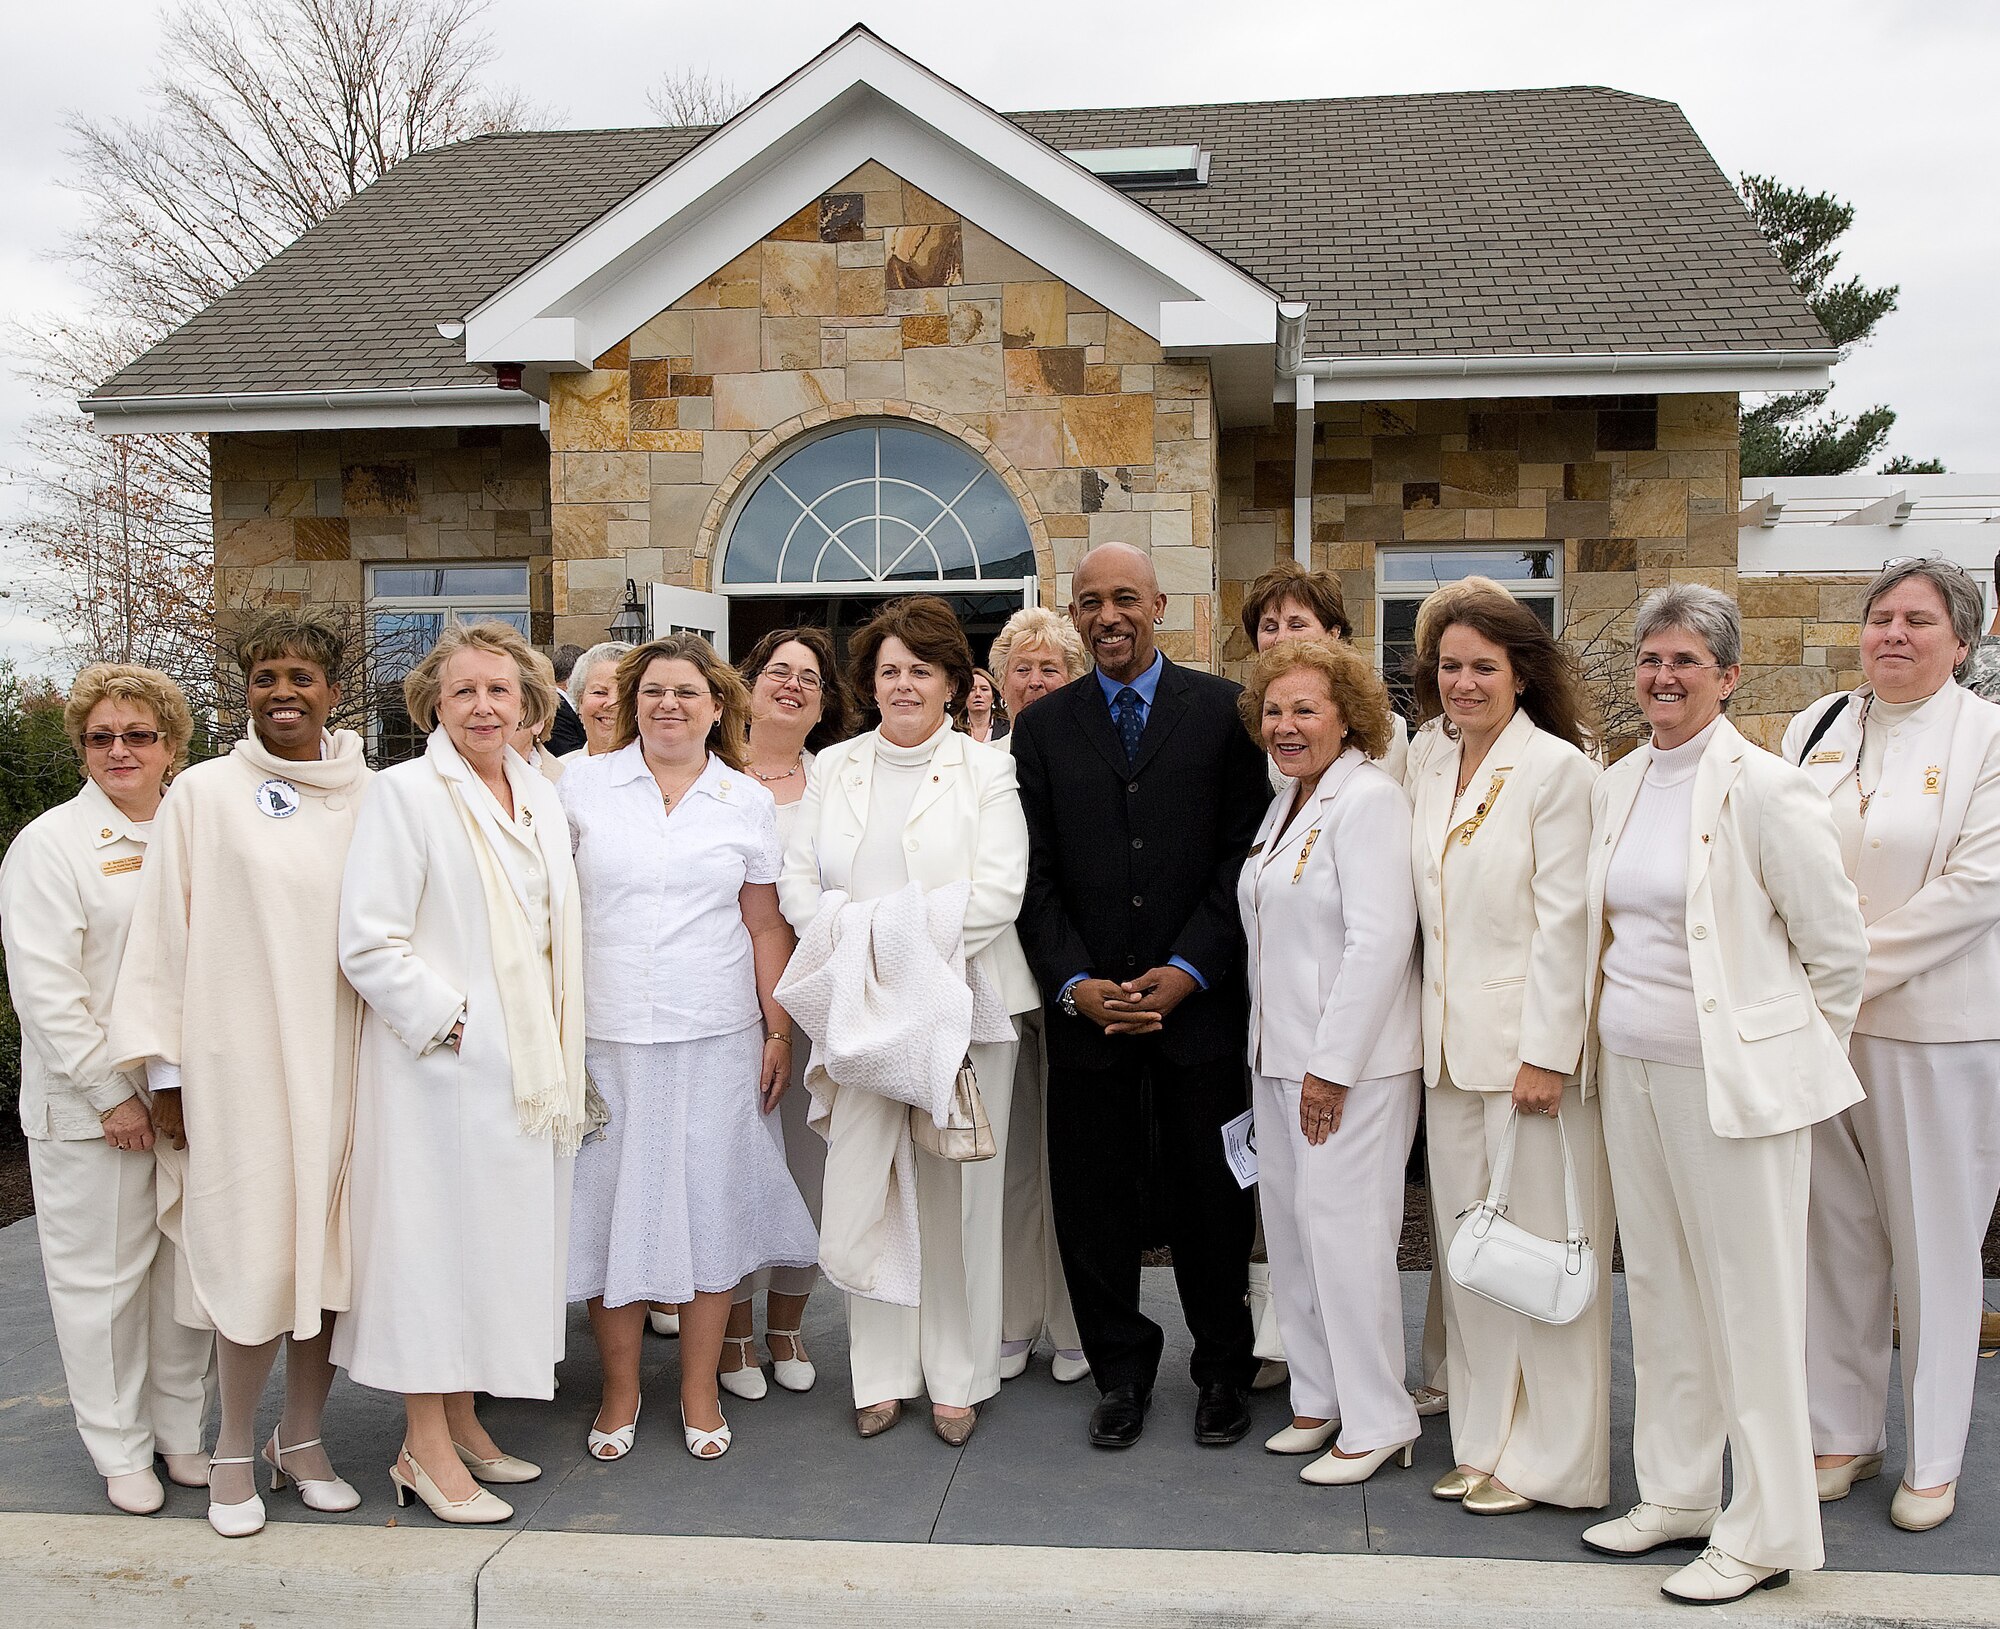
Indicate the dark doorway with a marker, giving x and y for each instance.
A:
(750, 618)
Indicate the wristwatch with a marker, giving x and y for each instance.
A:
(1067, 1000)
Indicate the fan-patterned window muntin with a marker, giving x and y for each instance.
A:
(895, 504)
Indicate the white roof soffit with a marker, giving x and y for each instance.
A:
(1648, 373)
(309, 410)
(860, 100)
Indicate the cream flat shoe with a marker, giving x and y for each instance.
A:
(480, 1509)
(1333, 1470)
(1067, 1368)
(137, 1493)
(187, 1470)
(1837, 1481)
(1271, 1372)
(332, 1494)
(1301, 1439)
(500, 1468)
(1014, 1359)
(238, 1520)
(1918, 1513)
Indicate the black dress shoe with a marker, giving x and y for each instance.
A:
(1120, 1416)
(1221, 1415)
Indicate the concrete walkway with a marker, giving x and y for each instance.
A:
(1026, 1518)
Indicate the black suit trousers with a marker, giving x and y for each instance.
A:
(1111, 1132)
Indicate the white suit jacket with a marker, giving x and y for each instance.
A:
(1929, 871)
(1331, 921)
(965, 825)
(1501, 905)
(1774, 935)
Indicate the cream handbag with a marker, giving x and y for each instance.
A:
(1549, 1280)
(966, 1135)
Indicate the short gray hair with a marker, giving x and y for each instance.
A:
(1963, 602)
(1707, 613)
(609, 650)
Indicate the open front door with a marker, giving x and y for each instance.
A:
(672, 610)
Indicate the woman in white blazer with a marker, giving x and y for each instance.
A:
(1502, 817)
(1903, 1182)
(137, 1379)
(459, 928)
(1725, 961)
(1336, 1046)
(915, 800)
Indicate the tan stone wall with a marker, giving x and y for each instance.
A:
(1801, 641)
(298, 514)
(877, 301)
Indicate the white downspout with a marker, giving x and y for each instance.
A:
(1291, 365)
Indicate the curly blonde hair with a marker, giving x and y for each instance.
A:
(1351, 683)
(729, 735)
(1036, 625)
(141, 687)
(538, 684)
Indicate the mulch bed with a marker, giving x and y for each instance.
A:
(17, 1199)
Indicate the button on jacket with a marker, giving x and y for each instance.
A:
(67, 888)
(1774, 934)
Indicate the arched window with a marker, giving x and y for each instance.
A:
(895, 504)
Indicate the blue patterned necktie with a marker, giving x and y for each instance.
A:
(1131, 722)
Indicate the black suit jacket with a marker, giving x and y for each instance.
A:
(1131, 866)
(568, 734)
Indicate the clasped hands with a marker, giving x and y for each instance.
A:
(1138, 1006)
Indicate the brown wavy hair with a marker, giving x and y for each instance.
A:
(1318, 591)
(1351, 680)
(1552, 692)
(933, 633)
(836, 701)
(729, 735)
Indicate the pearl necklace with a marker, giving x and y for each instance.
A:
(768, 780)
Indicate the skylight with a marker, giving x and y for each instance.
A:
(1143, 167)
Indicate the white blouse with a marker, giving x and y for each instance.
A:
(666, 956)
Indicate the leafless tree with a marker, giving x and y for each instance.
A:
(693, 96)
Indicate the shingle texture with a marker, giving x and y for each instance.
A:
(1568, 220)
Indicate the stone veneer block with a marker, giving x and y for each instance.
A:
(1107, 430)
(756, 401)
(1029, 439)
(671, 333)
(790, 343)
(321, 537)
(1124, 343)
(956, 378)
(929, 256)
(675, 514)
(985, 259)
(604, 477)
(729, 341)
(388, 488)
(595, 411)
(1650, 509)
(860, 292)
(652, 415)
(1054, 372)
(928, 328)
(875, 381)
(582, 531)
(921, 209)
(1033, 314)
(842, 217)
(800, 279)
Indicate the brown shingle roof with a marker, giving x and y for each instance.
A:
(1489, 222)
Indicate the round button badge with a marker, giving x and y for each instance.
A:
(278, 799)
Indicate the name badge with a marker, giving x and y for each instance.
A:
(118, 868)
(278, 799)
(1933, 780)
(1830, 755)
(1255, 850)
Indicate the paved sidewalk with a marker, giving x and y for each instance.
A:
(1027, 1478)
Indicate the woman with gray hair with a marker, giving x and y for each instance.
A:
(1903, 1182)
(1724, 969)
(592, 688)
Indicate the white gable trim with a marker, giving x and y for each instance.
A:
(312, 410)
(1561, 373)
(857, 101)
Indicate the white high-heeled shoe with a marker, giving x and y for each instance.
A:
(1014, 1359)
(332, 1494)
(699, 1442)
(746, 1382)
(1333, 1470)
(619, 1441)
(664, 1323)
(794, 1373)
(1301, 1439)
(238, 1520)
(481, 1508)
(500, 1468)
(137, 1493)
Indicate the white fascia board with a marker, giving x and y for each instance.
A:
(309, 410)
(1793, 550)
(1616, 373)
(862, 101)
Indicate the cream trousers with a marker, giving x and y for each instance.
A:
(1903, 1186)
(138, 1381)
(948, 1346)
(1034, 1296)
(1530, 1402)
(1714, 1231)
(1332, 1218)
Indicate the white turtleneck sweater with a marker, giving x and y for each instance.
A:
(880, 867)
(1646, 1007)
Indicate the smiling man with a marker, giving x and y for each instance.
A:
(1143, 791)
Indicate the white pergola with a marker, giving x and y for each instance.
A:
(1856, 523)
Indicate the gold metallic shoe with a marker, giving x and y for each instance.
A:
(955, 1429)
(1456, 1484)
(1489, 1498)
(873, 1421)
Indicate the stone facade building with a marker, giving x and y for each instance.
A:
(870, 336)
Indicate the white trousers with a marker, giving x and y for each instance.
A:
(138, 1381)
(1034, 1295)
(947, 1346)
(1530, 1402)
(1903, 1186)
(1332, 1218)
(1714, 1230)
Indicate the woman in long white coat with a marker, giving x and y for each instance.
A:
(915, 801)
(137, 1378)
(1336, 1048)
(1502, 820)
(459, 927)
(1725, 961)
(1903, 1182)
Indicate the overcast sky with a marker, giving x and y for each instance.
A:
(1889, 105)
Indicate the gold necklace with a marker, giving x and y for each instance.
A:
(771, 780)
(1867, 797)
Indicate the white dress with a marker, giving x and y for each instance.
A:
(686, 1192)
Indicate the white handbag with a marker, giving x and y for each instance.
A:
(1549, 1280)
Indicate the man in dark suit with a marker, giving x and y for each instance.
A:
(568, 734)
(1143, 792)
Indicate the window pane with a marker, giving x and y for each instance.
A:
(1426, 566)
(406, 582)
(483, 582)
(400, 639)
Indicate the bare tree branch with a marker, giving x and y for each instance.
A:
(693, 96)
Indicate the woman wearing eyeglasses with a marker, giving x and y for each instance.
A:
(1903, 1182)
(137, 1380)
(1725, 964)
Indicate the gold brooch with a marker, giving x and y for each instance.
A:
(1305, 854)
(1478, 816)
(1933, 780)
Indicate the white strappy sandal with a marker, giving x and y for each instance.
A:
(699, 1442)
(619, 1441)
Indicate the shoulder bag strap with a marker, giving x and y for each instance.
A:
(1825, 723)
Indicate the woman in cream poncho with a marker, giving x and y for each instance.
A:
(230, 992)
(459, 926)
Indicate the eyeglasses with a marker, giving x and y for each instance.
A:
(1680, 664)
(101, 740)
(687, 694)
(779, 674)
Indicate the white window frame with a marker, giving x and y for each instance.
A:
(454, 607)
(1419, 589)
